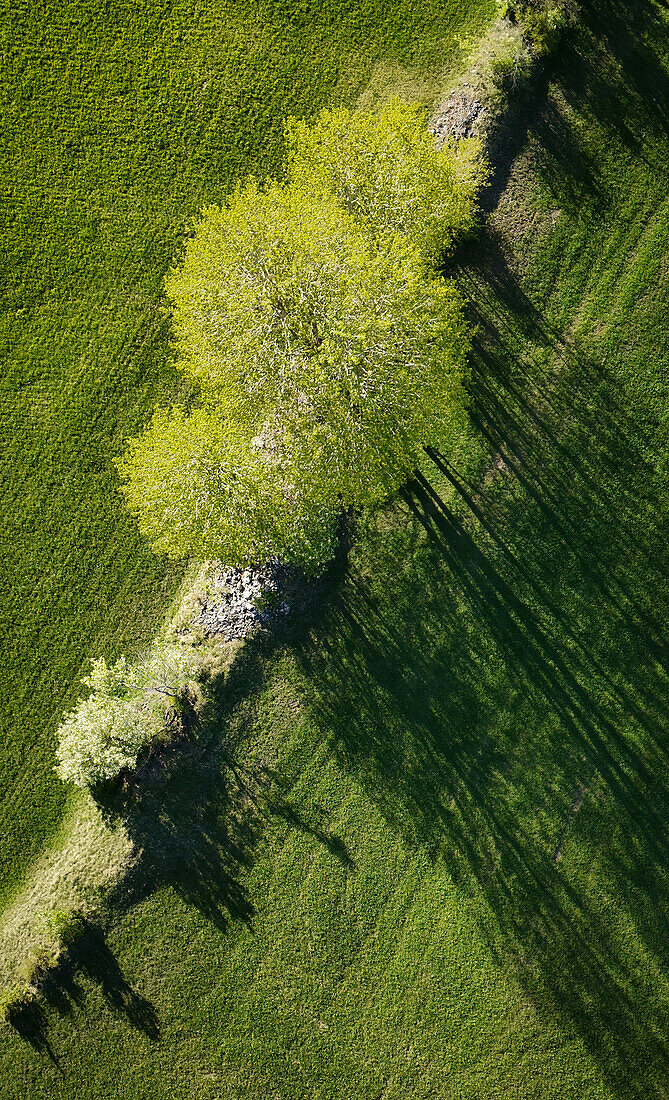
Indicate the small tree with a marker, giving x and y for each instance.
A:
(127, 708)
(325, 359)
(385, 168)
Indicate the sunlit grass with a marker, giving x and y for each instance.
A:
(418, 846)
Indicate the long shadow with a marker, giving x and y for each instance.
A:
(560, 943)
(616, 77)
(30, 1023)
(477, 710)
(501, 688)
(91, 958)
(535, 117)
(195, 813)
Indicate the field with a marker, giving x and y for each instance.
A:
(419, 846)
(119, 122)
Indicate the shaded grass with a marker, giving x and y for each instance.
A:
(120, 121)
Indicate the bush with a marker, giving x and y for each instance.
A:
(63, 926)
(510, 70)
(101, 737)
(543, 21)
(56, 931)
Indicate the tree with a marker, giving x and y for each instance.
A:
(199, 485)
(100, 737)
(325, 361)
(385, 168)
(129, 705)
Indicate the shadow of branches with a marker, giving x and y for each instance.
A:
(198, 819)
(195, 812)
(62, 989)
(501, 686)
(514, 670)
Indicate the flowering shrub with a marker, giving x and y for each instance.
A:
(102, 736)
(129, 706)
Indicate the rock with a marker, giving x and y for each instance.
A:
(235, 608)
(460, 116)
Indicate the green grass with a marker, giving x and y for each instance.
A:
(119, 122)
(350, 884)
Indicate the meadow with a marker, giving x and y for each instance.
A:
(418, 846)
(119, 123)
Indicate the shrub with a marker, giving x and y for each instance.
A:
(126, 710)
(101, 737)
(543, 21)
(509, 70)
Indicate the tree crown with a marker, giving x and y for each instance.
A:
(385, 169)
(125, 710)
(325, 353)
(325, 360)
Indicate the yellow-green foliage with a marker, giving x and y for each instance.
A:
(384, 168)
(326, 359)
(119, 121)
(197, 485)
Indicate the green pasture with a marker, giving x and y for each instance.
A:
(119, 121)
(418, 847)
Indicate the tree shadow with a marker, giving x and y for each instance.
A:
(607, 69)
(29, 1021)
(534, 116)
(62, 990)
(498, 680)
(500, 687)
(478, 701)
(197, 813)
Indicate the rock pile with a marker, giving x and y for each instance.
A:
(462, 115)
(238, 600)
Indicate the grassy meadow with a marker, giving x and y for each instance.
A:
(418, 846)
(119, 122)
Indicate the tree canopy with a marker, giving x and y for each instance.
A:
(324, 352)
(200, 486)
(385, 168)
